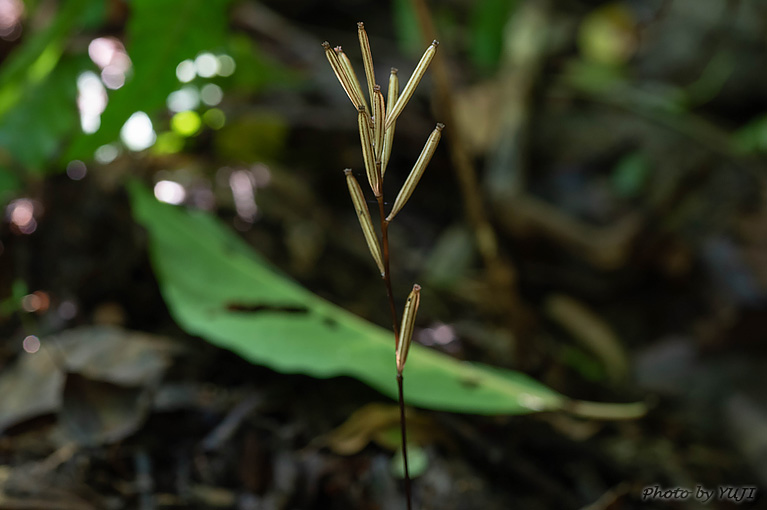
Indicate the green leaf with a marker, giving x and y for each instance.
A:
(752, 138)
(630, 174)
(583, 362)
(37, 56)
(488, 19)
(160, 34)
(10, 184)
(257, 136)
(407, 27)
(218, 288)
(257, 70)
(12, 303)
(38, 88)
(33, 129)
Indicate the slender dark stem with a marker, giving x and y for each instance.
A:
(404, 438)
(393, 309)
(387, 275)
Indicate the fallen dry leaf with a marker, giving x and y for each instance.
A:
(379, 423)
(35, 384)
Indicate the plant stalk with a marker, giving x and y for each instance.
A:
(404, 438)
(386, 274)
(393, 309)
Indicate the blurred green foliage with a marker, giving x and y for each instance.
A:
(253, 137)
(12, 303)
(39, 122)
(34, 129)
(38, 90)
(582, 362)
(407, 27)
(752, 138)
(488, 20)
(630, 174)
(256, 70)
(159, 35)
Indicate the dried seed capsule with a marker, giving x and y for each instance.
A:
(363, 215)
(340, 73)
(379, 117)
(366, 140)
(417, 171)
(389, 132)
(412, 83)
(408, 323)
(367, 58)
(346, 65)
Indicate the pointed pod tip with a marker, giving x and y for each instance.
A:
(435, 43)
(440, 126)
(338, 49)
(326, 45)
(416, 287)
(347, 171)
(377, 88)
(394, 70)
(360, 24)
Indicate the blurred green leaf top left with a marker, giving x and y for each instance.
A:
(38, 91)
(159, 35)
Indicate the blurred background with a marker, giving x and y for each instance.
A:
(595, 217)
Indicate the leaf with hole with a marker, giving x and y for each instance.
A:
(203, 268)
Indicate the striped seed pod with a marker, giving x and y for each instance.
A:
(412, 83)
(408, 323)
(346, 65)
(366, 140)
(417, 172)
(389, 132)
(363, 215)
(346, 83)
(367, 58)
(379, 117)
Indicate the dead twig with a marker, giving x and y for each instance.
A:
(500, 273)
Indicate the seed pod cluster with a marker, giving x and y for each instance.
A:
(376, 121)
(377, 126)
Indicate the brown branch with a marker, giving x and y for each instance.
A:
(486, 238)
(501, 275)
